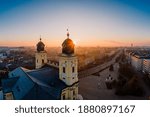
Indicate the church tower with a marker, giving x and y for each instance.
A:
(68, 69)
(40, 55)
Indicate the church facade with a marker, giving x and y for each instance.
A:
(40, 55)
(45, 82)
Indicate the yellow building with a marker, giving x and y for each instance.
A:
(46, 82)
(68, 69)
(40, 55)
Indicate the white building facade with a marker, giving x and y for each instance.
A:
(137, 62)
(146, 66)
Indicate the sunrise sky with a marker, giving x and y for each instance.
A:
(90, 22)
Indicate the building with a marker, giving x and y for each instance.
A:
(3, 56)
(140, 60)
(53, 63)
(40, 55)
(45, 82)
(146, 66)
(137, 62)
(1, 95)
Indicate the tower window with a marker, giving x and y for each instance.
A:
(37, 60)
(64, 97)
(72, 69)
(42, 61)
(64, 70)
(73, 92)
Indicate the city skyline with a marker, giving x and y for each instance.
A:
(90, 23)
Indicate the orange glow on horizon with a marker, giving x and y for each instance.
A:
(83, 43)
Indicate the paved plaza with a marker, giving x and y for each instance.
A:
(93, 87)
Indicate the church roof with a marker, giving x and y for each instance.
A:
(9, 83)
(40, 46)
(68, 46)
(42, 83)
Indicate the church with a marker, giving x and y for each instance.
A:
(45, 82)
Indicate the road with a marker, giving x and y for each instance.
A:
(93, 87)
(98, 68)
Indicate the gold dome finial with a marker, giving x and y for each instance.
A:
(40, 38)
(67, 33)
(68, 46)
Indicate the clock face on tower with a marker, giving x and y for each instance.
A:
(68, 47)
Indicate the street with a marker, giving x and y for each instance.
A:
(93, 87)
(98, 68)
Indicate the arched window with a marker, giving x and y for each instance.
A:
(64, 97)
(42, 61)
(64, 70)
(73, 70)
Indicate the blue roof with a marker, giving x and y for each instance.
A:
(7, 84)
(23, 84)
(48, 75)
(41, 83)
(37, 93)
(48, 79)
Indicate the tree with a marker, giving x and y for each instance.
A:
(131, 87)
(126, 70)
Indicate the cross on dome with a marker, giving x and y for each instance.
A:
(68, 34)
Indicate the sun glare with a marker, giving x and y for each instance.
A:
(75, 42)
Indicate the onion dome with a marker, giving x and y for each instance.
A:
(40, 46)
(68, 46)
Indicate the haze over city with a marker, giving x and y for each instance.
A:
(75, 50)
(90, 22)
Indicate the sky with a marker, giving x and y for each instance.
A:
(90, 22)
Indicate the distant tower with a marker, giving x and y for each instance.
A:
(68, 66)
(40, 55)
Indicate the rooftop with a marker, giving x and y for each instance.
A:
(41, 83)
